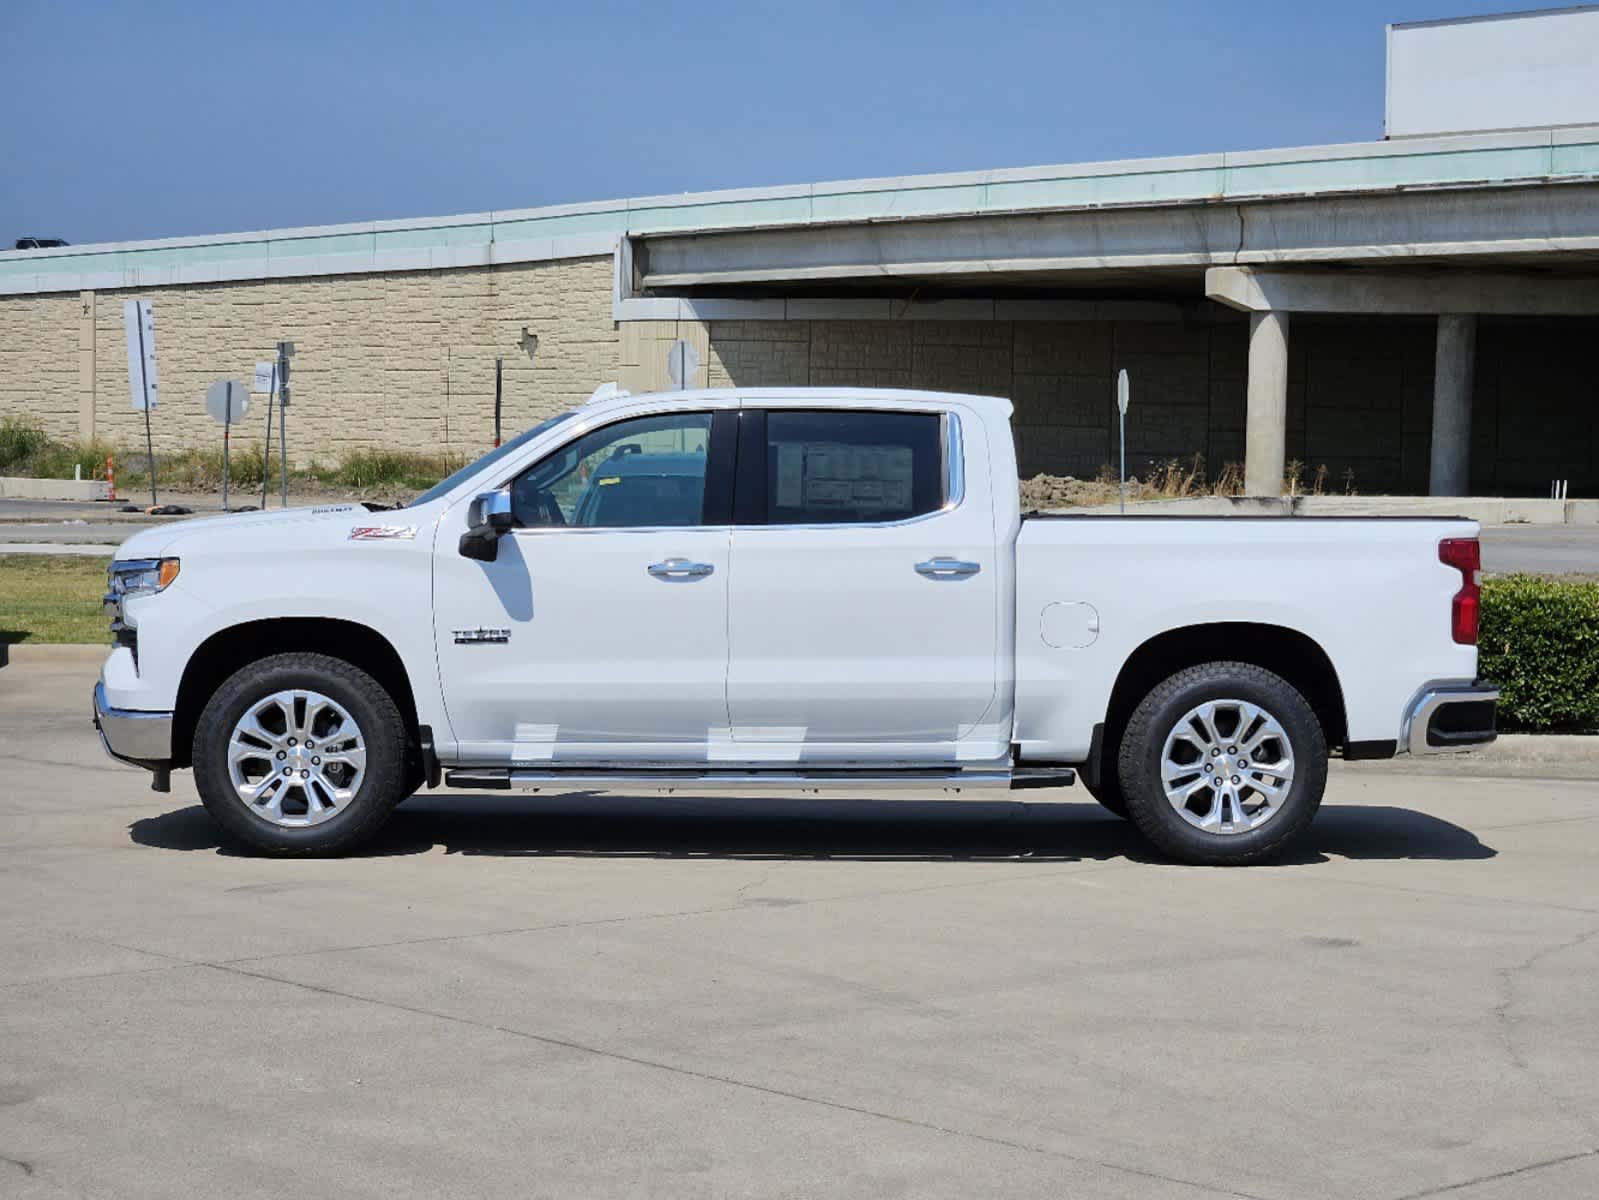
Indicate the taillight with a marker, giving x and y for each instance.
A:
(1465, 555)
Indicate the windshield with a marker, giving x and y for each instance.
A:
(493, 456)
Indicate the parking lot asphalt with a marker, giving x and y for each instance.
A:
(602, 995)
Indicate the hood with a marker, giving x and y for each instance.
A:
(267, 530)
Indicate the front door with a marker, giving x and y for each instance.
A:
(600, 632)
(864, 621)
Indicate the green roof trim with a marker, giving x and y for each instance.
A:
(592, 229)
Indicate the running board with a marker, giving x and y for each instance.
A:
(666, 779)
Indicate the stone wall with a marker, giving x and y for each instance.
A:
(406, 361)
(39, 360)
(1359, 391)
(1188, 381)
(402, 361)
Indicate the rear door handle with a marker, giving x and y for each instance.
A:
(680, 568)
(947, 568)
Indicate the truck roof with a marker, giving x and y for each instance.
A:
(998, 407)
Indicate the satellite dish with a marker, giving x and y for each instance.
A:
(227, 400)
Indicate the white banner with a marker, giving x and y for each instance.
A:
(138, 322)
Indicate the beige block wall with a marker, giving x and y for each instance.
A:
(39, 360)
(406, 361)
(402, 361)
(1058, 374)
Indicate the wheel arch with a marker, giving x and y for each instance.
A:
(227, 650)
(1293, 655)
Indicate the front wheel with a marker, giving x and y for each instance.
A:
(1223, 763)
(301, 754)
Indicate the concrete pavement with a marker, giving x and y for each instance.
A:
(601, 995)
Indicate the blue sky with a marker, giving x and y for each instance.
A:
(133, 120)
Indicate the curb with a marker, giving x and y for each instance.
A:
(52, 654)
(1547, 747)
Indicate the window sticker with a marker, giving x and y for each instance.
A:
(831, 475)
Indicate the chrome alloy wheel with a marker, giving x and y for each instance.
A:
(296, 758)
(1227, 766)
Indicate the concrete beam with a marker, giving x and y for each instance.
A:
(1433, 225)
(1312, 290)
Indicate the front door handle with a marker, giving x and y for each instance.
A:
(680, 568)
(947, 568)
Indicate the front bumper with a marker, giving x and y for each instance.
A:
(1451, 717)
(143, 739)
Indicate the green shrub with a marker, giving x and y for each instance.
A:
(20, 440)
(362, 469)
(26, 450)
(1539, 642)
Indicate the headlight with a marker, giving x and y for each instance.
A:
(134, 577)
(140, 576)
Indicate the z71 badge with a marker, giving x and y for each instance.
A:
(383, 533)
(472, 637)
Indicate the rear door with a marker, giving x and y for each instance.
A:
(863, 597)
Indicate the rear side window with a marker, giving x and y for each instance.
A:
(843, 467)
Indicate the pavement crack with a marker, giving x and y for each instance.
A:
(234, 968)
(1462, 897)
(1505, 1020)
(25, 1167)
(1498, 1175)
(741, 907)
(60, 979)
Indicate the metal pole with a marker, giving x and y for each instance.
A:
(1123, 486)
(266, 455)
(499, 369)
(283, 423)
(149, 445)
(149, 438)
(227, 420)
(1123, 393)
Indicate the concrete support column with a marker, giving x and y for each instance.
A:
(1266, 435)
(1451, 405)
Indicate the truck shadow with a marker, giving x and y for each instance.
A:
(611, 826)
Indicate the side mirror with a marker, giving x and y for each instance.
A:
(488, 519)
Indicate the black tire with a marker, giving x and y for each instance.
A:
(1143, 746)
(387, 778)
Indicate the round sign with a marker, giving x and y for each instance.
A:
(227, 400)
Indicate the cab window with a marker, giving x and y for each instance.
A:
(851, 466)
(647, 471)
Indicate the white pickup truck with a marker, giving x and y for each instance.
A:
(799, 588)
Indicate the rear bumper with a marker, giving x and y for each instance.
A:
(1449, 717)
(143, 739)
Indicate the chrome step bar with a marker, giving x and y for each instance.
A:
(669, 779)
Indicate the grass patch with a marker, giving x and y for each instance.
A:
(1174, 479)
(369, 469)
(26, 450)
(52, 598)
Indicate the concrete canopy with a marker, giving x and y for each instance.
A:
(1162, 248)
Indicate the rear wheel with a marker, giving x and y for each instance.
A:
(1223, 763)
(301, 754)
